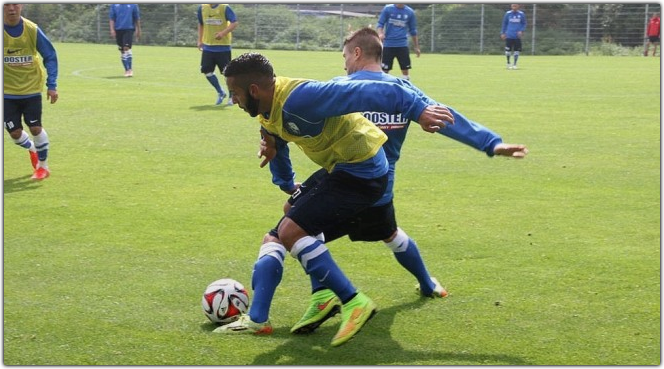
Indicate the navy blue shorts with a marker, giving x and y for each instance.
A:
(29, 109)
(210, 60)
(333, 200)
(374, 223)
(124, 38)
(513, 44)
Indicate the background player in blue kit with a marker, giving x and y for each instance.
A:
(514, 23)
(362, 53)
(315, 116)
(124, 20)
(215, 24)
(395, 23)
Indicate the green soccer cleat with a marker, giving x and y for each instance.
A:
(244, 325)
(324, 305)
(354, 314)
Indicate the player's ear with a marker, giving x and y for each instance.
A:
(253, 90)
(357, 51)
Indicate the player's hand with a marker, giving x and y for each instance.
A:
(435, 118)
(417, 52)
(267, 149)
(52, 95)
(503, 36)
(511, 150)
(295, 188)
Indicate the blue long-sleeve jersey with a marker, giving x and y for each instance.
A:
(125, 16)
(47, 52)
(395, 126)
(311, 102)
(513, 23)
(397, 24)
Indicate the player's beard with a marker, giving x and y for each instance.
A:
(252, 105)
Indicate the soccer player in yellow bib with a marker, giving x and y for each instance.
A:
(25, 45)
(216, 23)
(362, 52)
(318, 117)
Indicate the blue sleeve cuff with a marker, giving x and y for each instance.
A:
(287, 187)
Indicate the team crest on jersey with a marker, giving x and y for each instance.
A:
(292, 128)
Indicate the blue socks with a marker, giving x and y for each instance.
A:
(318, 263)
(265, 278)
(408, 255)
(214, 81)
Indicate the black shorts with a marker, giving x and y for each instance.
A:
(401, 53)
(210, 60)
(334, 199)
(653, 38)
(30, 109)
(124, 38)
(374, 223)
(513, 44)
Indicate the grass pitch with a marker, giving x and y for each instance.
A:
(155, 192)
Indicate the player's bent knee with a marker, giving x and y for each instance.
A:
(269, 238)
(274, 249)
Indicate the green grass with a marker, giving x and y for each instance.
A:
(155, 192)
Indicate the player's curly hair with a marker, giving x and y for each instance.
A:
(250, 68)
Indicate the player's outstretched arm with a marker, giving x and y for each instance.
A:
(435, 117)
(434, 126)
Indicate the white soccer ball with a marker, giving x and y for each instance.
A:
(224, 300)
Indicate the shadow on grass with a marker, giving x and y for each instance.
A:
(374, 345)
(20, 184)
(223, 106)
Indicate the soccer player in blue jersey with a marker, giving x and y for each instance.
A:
(395, 23)
(317, 117)
(25, 45)
(215, 24)
(514, 23)
(362, 55)
(124, 21)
